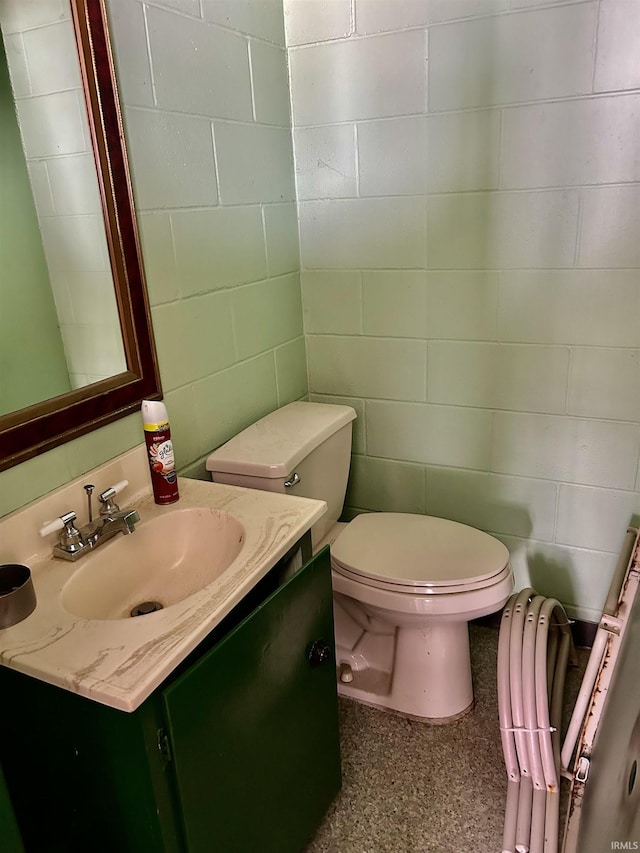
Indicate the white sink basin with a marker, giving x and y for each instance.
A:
(165, 560)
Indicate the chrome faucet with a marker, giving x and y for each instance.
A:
(75, 542)
(111, 520)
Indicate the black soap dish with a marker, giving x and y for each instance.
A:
(17, 595)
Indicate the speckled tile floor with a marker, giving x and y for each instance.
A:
(415, 788)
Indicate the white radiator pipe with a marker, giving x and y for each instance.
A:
(533, 651)
(514, 609)
(506, 729)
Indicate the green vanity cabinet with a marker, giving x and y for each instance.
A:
(10, 841)
(238, 752)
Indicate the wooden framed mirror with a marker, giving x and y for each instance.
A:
(32, 429)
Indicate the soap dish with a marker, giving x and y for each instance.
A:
(17, 595)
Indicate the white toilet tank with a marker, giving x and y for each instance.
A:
(310, 440)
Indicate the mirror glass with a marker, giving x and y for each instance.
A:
(76, 347)
(59, 325)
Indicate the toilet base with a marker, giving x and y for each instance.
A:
(422, 672)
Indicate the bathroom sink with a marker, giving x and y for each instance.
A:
(167, 559)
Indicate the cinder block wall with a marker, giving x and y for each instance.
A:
(209, 136)
(205, 97)
(467, 180)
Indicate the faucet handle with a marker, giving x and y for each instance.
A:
(106, 498)
(71, 539)
(57, 523)
(119, 486)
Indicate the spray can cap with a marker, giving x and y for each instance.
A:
(154, 414)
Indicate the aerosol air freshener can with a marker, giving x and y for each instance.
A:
(157, 435)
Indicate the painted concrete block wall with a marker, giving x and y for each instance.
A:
(469, 200)
(204, 90)
(209, 136)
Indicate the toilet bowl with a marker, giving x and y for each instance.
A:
(405, 586)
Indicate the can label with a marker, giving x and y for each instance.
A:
(162, 459)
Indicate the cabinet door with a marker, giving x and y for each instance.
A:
(254, 726)
(9, 832)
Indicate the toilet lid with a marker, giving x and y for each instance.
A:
(418, 551)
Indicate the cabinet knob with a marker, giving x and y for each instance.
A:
(319, 653)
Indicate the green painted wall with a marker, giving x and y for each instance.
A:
(32, 361)
(478, 228)
(220, 240)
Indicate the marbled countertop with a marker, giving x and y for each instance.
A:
(119, 662)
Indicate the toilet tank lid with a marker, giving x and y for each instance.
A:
(274, 445)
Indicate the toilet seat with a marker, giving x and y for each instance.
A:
(418, 554)
(420, 591)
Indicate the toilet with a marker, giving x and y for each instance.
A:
(405, 585)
